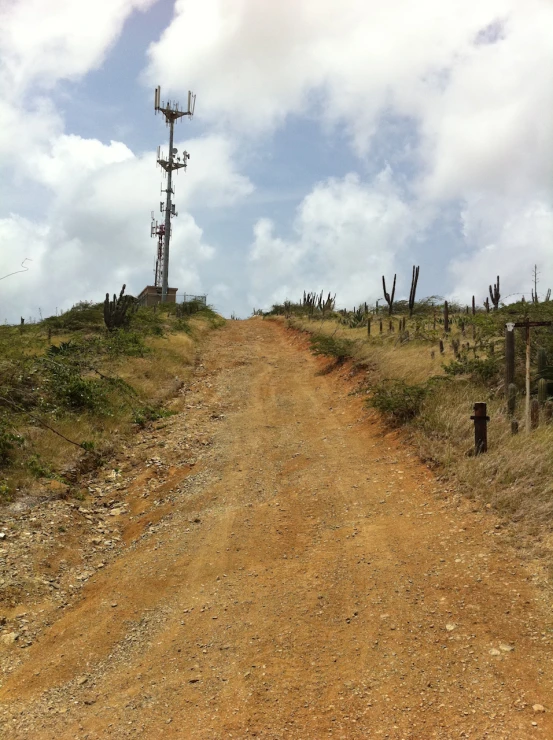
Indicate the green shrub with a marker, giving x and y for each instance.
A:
(83, 315)
(483, 370)
(337, 347)
(143, 415)
(399, 401)
(9, 442)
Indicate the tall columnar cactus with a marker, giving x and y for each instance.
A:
(495, 294)
(116, 312)
(473, 306)
(389, 298)
(542, 391)
(413, 291)
(446, 317)
(487, 305)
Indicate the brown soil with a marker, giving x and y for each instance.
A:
(303, 577)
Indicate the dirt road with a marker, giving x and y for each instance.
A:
(304, 577)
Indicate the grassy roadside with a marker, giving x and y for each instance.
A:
(430, 395)
(71, 392)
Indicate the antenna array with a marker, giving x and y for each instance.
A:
(169, 163)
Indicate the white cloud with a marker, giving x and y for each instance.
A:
(42, 44)
(347, 234)
(508, 242)
(473, 81)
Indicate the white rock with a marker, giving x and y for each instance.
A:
(450, 626)
(505, 647)
(9, 638)
(538, 708)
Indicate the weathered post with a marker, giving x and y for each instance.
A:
(509, 356)
(511, 398)
(381, 326)
(368, 327)
(514, 426)
(527, 409)
(481, 420)
(441, 347)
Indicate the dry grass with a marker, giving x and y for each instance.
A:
(515, 477)
(153, 381)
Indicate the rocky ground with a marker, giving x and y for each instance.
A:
(268, 562)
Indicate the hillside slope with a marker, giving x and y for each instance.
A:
(286, 569)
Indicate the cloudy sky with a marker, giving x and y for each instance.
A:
(333, 141)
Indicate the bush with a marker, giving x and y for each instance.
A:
(479, 370)
(337, 347)
(83, 315)
(9, 441)
(399, 401)
(142, 416)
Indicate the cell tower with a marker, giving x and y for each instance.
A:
(172, 113)
(158, 230)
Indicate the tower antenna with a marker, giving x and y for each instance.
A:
(172, 113)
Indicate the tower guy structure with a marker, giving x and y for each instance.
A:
(173, 161)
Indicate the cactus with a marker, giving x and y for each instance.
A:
(487, 305)
(381, 326)
(548, 411)
(514, 426)
(413, 291)
(511, 398)
(389, 298)
(473, 306)
(368, 327)
(455, 345)
(542, 361)
(441, 347)
(542, 391)
(116, 311)
(495, 294)
(446, 317)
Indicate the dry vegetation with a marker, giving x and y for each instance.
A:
(431, 396)
(70, 391)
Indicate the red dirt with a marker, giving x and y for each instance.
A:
(308, 578)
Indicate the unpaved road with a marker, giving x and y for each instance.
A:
(306, 578)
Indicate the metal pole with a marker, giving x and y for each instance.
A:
(165, 279)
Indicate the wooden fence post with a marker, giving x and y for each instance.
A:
(480, 428)
(509, 357)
